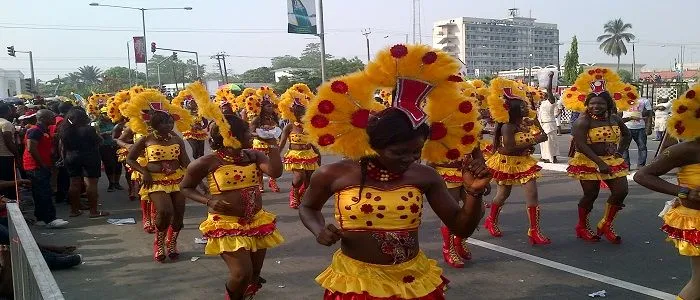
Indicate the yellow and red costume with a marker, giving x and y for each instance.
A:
(596, 81)
(336, 121)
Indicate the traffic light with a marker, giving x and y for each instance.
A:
(153, 47)
(174, 55)
(28, 84)
(11, 51)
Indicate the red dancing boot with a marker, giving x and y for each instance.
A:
(294, 197)
(536, 236)
(302, 190)
(605, 226)
(273, 185)
(171, 243)
(251, 290)
(462, 247)
(146, 217)
(449, 251)
(159, 246)
(604, 185)
(583, 228)
(491, 222)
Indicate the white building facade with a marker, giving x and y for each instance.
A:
(10, 83)
(487, 46)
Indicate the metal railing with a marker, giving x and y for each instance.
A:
(31, 277)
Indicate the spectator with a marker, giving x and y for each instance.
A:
(8, 150)
(634, 119)
(547, 114)
(661, 113)
(60, 179)
(559, 115)
(79, 144)
(108, 151)
(37, 163)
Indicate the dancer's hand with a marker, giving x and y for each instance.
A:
(541, 138)
(329, 235)
(604, 168)
(147, 180)
(222, 206)
(475, 178)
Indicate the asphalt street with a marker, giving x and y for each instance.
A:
(119, 264)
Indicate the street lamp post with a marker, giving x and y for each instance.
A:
(143, 23)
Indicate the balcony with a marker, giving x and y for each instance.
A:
(447, 39)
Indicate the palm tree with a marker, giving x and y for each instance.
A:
(612, 42)
(90, 75)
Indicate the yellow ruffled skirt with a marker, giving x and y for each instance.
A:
(163, 183)
(419, 277)
(583, 168)
(199, 135)
(228, 233)
(300, 160)
(121, 154)
(681, 225)
(512, 169)
(452, 176)
(486, 147)
(136, 176)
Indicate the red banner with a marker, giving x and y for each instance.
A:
(139, 49)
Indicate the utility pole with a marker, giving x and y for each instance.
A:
(128, 59)
(223, 58)
(366, 32)
(634, 62)
(31, 69)
(322, 38)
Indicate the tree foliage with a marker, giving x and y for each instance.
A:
(625, 76)
(571, 64)
(173, 69)
(613, 39)
(261, 74)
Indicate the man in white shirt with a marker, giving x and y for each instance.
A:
(8, 150)
(661, 113)
(635, 119)
(547, 115)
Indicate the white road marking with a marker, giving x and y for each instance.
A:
(574, 270)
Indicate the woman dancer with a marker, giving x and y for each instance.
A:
(512, 162)
(196, 135)
(379, 199)
(166, 158)
(682, 218)
(600, 137)
(237, 228)
(302, 158)
(264, 119)
(115, 115)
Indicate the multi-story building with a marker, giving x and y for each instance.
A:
(487, 46)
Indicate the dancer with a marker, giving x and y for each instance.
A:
(302, 158)
(264, 125)
(600, 138)
(166, 158)
(237, 228)
(196, 135)
(379, 199)
(511, 162)
(682, 218)
(115, 115)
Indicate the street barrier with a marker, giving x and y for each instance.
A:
(31, 277)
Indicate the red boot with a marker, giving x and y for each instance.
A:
(302, 190)
(146, 217)
(605, 226)
(159, 246)
(294, 197)
(273, 185)
(536, 236)
(462, 247)
(449, 251)
(171, 243)
(491, 222)
(583, 228)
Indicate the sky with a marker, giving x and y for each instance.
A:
(74, 34)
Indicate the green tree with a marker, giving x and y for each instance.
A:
(613, 39)
(117, 78)
(571, 64)
(286, 61)
(261, 75)
(90, 75)
(172, 69)
(343, 66)
(625, 76)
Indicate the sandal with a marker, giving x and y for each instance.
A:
(75, 214)
(99, 214)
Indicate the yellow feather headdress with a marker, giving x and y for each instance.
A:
(302, 88)
(684, 122)
(385, 94)
(267, 94)
(337, 118)
(253, 106)
(499, 90)
(241, 99)
(212, 111)
(113, 107)
(596, 81)
(97, 102)
(143, 104)
(290, 98)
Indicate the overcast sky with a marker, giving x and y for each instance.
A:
(252, 31)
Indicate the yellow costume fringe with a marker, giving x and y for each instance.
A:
(300, 160)
(512, 169)
(681, 224)
(684, 122)
(583, 168)
(163, 183)
(229, 233)
(212, 111)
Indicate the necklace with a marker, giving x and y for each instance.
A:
(162, 138)
(597, 118)
(229, 158)
(379, 173)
